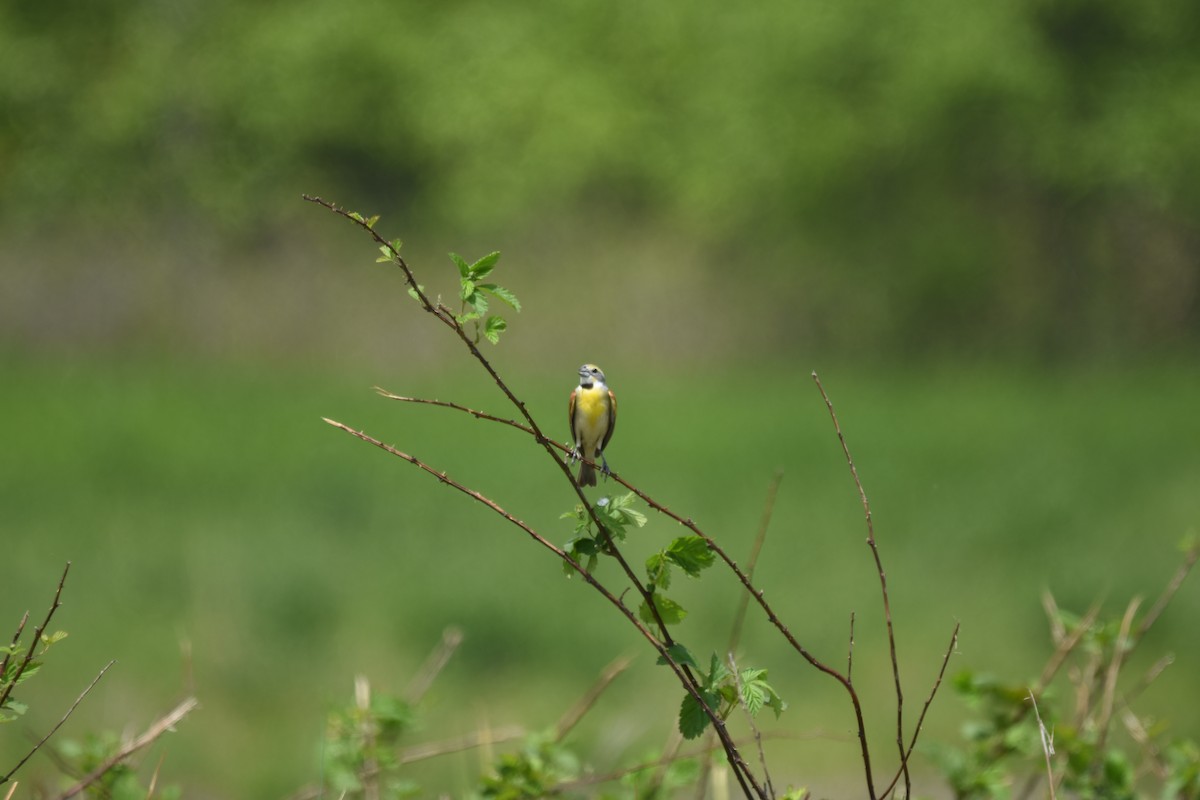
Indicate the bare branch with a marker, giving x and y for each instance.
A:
(912, 744)
(166, 723)
(1173, 585)
(887, 607)
(685, 677)
(37, 637)
(54, 730)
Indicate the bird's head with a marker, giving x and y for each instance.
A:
(590, 374)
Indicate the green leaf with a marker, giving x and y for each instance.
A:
(493, 328)
(692, 719)
(671, 612)
(52, 638)
(467, 290)
(484, 265)
(692, 554)
(503, 294)
(716, 672)
(681, 655)
(658, 571)
(464, 269)
(387, 254)
(357, 217)
(413, 292)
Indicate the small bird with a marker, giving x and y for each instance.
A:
(593, 416)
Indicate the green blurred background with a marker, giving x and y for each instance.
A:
(977, 222)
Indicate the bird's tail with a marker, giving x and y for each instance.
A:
(587, 475)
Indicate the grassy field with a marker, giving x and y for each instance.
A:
(225, 541)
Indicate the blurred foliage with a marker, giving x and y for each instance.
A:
(1015, 176)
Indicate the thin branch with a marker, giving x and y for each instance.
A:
(54, 730)
(37, 637)
(912, 744)
(447, 317)
(659, 646)
(1121, 646)
(887, 607)
(166, 723)
(1173, 585)
(1066, 645)
(850, 651)
(738, 572)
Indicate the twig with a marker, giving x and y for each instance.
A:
(1173, 585)
(850, 651)
(912, 744)
(37, 637)
(1066, 644)
(570, 719)
(688, 683)
(447, 318)
(741, 575)
(152, 733)
(1120, 646)
(54, 730)
(887, 607)
(434, 664)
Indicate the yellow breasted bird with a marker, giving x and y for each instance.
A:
(593, 416)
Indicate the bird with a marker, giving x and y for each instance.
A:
(593, 416)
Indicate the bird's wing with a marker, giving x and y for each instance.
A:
(571, 413)
(612, 419)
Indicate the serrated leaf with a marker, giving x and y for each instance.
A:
(692, 719)
(464, 269)
(671, 612)
(503, 294)
(52, 638)
(357, 217)
(717, 672)
(493, 328)
(372, 220)
(691, 554)
(466, 289)
(753, 696)
(681, 655)
(658, 571)
(484, 265)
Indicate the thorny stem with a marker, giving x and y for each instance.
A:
(447, 318)
(613, 600)
(887, 607)
(741, 575)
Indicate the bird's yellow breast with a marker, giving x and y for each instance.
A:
(592, 405)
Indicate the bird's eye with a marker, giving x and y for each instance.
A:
(595, 371)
